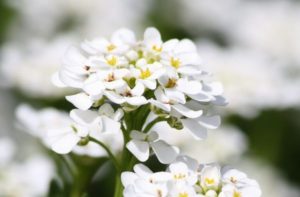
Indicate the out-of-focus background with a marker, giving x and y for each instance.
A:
(252, 47)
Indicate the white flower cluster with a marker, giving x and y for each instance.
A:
(132, 73)
(186, 178)
(126, 86)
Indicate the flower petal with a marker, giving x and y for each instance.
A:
(196, 130)
(187, 112)
(211, 122)
(80, 100)
(66, 143)
(139, 149)
(165, 153)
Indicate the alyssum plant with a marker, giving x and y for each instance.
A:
(125, 87)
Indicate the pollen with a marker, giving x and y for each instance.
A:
(145, 73)
(179, 176)
(237, 194)
(157, 48)
(183, 194)
(111, 47)
(209, 181)
(175, 62)
(171, 83)
(112, 61)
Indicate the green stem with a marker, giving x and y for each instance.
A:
(110, 154)
(118, 187)
(152, 123)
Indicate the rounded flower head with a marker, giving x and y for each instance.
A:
(184, 180)
(132, 72)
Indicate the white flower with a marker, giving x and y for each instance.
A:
(181, 180)
(182, 173)
(57, 130)
(132, 72)
(119, 43)
(143, 182)
(86, 123)
(141, 143)
(24, 179)
(28, 66)
(210, 177)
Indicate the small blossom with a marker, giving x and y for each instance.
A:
(141, 143)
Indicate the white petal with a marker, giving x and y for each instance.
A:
(189, 87)
(136, 101)
(196, 130)
(152, 36)
(114, 97)
(66, 143)
(139, 149)
(170, 45)
(214, 88)
(187, 112)
(160, 95)
(142, 171)
(189, 70)
(106, 109)
(80, 100)
(185, 46)
(109, 125)
(94, 88)
(165, 153)
(115, 84)
(175, 95)
(123, 36)
(56, 80)
(138, 89)
(83, 117)
(118, 115)
(128, 178)
(150, 84)
(201, 97)
(163, 106)
(211, 122)
(71, 79)
(137, 135)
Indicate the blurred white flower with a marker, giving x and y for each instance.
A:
(23, 178)
(272, 183)
(29, 67)
(271, 27)
(88, 17)
(224, 145)
(249, 76)
(57, 130)
(7, 151)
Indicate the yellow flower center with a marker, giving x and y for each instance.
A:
(175, 62)
(237, 194)
(112, 61)
(179, 176)
(157, 48)
(111, 47)
(145, 73)
(209, 181)
(183, 194)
